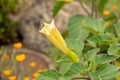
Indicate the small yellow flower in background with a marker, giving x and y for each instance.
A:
(118, 77)
(106, 12)
(7, 72)
(20, 57)
(117, 63)
(26, 78)
(32, 64)
(115, 7)
(52, 33)
(67, 0)
(18, 45)
(108, 23)
(12, 78)
(6, 56)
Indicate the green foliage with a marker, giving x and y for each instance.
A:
(93, 64)
(105, 72)
(49, 75)
(114, 49)
(117, 28)
(91, 54)
(75, 29)
(73, 45)
(103, 38)
(73, 71)
(104, 58)
(7, 27)
(57, 7)
(101, 5)
(97, 47)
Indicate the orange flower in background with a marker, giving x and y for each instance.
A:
(7, 72)
(67, 0)
(35, 75)
(32, 64)
(33, 78)
(106, 12)
(41, 65)
(18, 45)
(12, 78)
(108, 23)
(26, 78)
(39, 70)
(20, 57)
(6, 56)
(115, 7)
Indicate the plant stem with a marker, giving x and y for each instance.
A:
(86, 78)
(92, 12)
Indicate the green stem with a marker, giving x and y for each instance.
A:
(86, 78)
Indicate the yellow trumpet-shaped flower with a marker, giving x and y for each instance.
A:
(52, 33)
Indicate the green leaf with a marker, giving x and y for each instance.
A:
(91, 54)
(117, 28)
(101, 5)
(104, 58)
(92, 64)
(114, 49)
(75, 27)
(65, 34)
(106, 72)
(48, 75)
(64, 59)
(75, 69)
(78, 25)
(104, 39)
(95, 76)
(95, 26)
(0, 17)
(64, 67)
(75, 45)
(57, 7)
(111, 17)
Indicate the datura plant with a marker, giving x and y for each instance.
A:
(97, 49)
(92, 49)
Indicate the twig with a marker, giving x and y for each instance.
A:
(96, 15)
(84, 7)
(92, 12)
